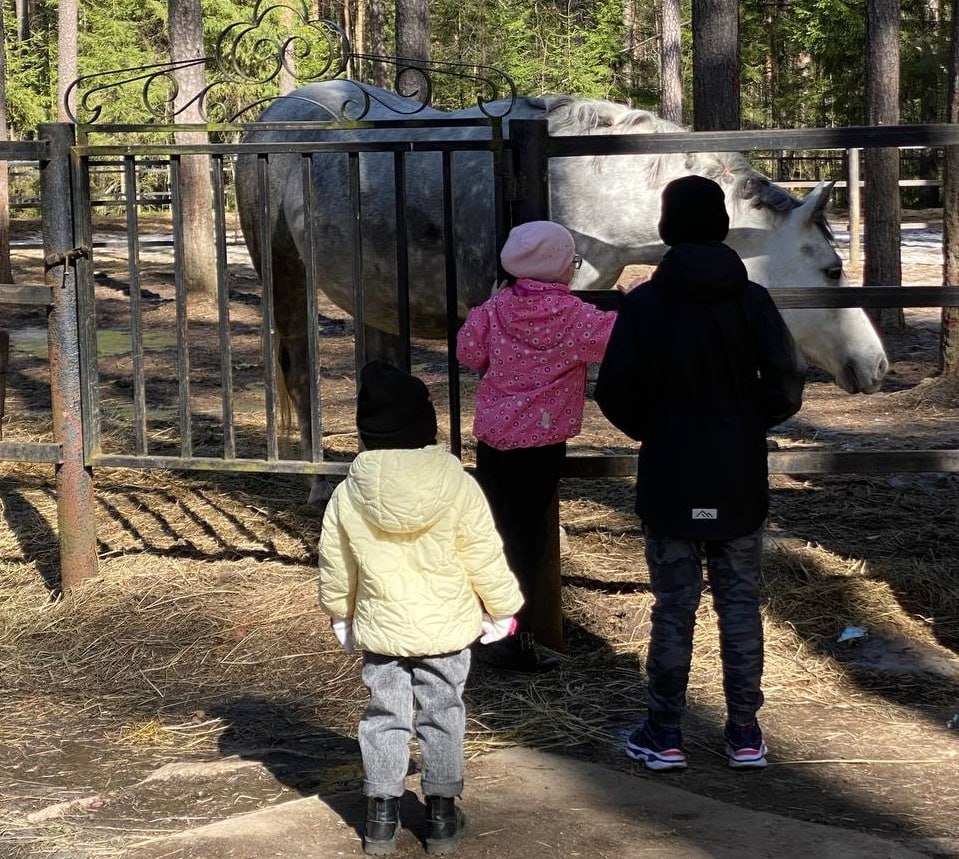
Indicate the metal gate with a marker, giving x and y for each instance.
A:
(135, 449)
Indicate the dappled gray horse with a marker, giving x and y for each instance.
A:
(609, 203)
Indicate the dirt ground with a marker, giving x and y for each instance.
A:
(200, 642)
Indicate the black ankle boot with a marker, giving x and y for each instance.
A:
(382, 825)
(519, 653)
(445, 824)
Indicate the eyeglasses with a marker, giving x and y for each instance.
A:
(577, 261)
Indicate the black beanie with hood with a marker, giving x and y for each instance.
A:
(393, 409)
(693, 211)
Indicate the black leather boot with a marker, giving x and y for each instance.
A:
(518, 653)
(445, 824)
(382, 825)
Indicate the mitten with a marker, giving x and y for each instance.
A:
(343, 630)
(494, 630)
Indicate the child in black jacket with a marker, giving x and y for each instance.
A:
(699, 365)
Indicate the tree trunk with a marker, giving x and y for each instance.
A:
(6, 274)
(287, 77)
(376, 42)
(949, 345)
(346, 21)
(670, 62)
(883, 216)
(67, 28)
(412, 43)
(198, 255)
(716, 98)
(359, 67)
(22, 11)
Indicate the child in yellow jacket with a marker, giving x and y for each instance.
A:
(412, 572)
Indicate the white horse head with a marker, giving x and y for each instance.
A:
(783, 241)
(799, 252)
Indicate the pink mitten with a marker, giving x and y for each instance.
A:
(494, 630)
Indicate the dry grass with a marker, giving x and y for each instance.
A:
(200, 640)
(205, 605)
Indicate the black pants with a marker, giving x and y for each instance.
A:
(734, 568)
(519, 485)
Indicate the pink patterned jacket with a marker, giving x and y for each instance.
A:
(532, 342)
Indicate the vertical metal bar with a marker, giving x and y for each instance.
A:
(359, 312)
(500, 213)
(452, 307)
(402, 261)
(136, 306)
(312, 315)
(530, 143)
(268, 325)
(223, 310)
(74, 480)
(86, 308)
(179, 283)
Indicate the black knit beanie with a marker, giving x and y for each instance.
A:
(693, 210)
(393, 409)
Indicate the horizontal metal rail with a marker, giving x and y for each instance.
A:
(797, 297)
(11, 293)
(307, 125)
(213, 463)
(591, 466)
(292, 146)
(850, 137)
(24, 150)
(30, 451)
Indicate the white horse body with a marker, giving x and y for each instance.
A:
(610, 203)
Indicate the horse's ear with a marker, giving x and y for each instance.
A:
(814, 206)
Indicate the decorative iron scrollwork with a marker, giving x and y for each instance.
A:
(250, 58)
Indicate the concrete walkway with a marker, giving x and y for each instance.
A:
(533, 805)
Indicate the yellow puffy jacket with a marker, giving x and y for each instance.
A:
(410, 554)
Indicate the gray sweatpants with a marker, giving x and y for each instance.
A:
(734, 568)
(435, 685)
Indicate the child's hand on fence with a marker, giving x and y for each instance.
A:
(343, 630)
(494, 630)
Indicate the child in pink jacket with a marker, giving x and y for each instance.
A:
(531, 342)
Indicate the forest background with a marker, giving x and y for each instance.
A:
(802, 63)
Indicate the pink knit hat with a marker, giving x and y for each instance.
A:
(539, 250)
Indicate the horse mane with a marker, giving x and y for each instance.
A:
(573, 116)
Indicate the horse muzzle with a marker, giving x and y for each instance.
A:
(862, 377)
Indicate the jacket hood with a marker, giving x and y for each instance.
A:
(532, 310)
(702, 272)
(404, 491)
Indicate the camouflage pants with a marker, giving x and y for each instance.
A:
(676, 572)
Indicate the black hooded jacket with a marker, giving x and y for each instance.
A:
(699, 365)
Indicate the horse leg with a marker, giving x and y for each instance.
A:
(384, 346)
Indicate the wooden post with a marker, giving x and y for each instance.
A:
(74, 481)
(855, 220)
(4, 361)
(530, 139)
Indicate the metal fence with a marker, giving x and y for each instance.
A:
(67, 204)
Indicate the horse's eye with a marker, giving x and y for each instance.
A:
(834, 272)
